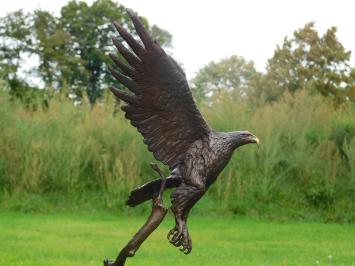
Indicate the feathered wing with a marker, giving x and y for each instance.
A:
(160, 104)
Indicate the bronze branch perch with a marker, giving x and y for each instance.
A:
(160, 105)
(156, 217)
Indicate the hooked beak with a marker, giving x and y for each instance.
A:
(254, 139)
(245, 137)
(257, 141)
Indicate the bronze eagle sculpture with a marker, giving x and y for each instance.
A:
(160, 105)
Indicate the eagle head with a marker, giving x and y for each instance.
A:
(244, 137)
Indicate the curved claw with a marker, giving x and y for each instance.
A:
(188, 250)
(179, 237)
(177, 242)
(176, 237)
(171, 233)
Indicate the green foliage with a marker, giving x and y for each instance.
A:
(16, 44)
(72, 48)
(163, 37)
(30, 97)
(91, 31)
(308, 61)
(233, 75)
(305, 165)
(46, 32)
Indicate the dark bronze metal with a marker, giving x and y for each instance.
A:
(156, 217)
(161, 107)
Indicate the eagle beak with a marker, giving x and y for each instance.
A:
(257, 141)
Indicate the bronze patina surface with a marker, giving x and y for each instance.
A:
(160, 105)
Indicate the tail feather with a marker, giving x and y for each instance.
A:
(146, 191)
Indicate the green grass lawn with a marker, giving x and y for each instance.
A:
(86, 239)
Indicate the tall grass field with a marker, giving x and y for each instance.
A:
(69, 157)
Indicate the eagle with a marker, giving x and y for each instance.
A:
(160, 105)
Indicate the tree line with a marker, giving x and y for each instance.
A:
(318, 64)
(71, 51)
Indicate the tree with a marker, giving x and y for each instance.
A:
(308, 61)
(45, 27)
(16, 43)
(90, 28)
(163, 37)
(72, 49)
(234, 75)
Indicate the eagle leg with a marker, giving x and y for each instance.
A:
(184, 198)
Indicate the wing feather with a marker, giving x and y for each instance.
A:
(161, 106)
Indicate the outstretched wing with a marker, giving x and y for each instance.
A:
(160, 104)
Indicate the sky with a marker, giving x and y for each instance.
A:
(211, 30)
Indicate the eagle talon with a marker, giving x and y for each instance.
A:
(177, 242)
(171, 234)
(179, 237)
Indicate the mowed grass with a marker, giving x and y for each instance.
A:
(86, 239)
